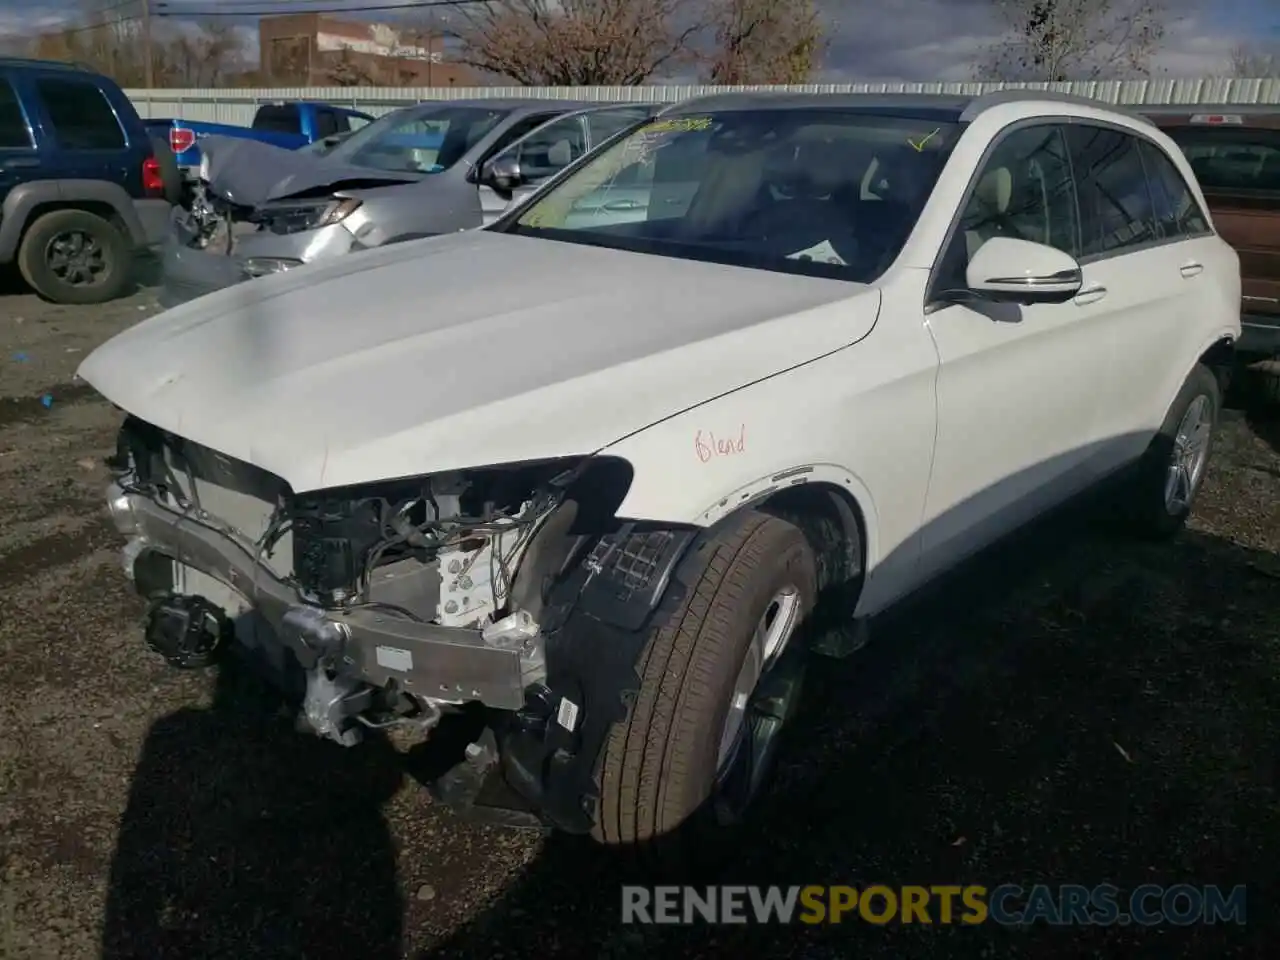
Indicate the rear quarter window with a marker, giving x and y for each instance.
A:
(1232, 160)
(82, 117)
(278, 118)
(1176, 210)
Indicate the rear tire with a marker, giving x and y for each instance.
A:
(1172, 470)
(661, 771)
(99, 255)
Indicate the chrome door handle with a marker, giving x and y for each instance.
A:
(1090, 294)
(1191, 269)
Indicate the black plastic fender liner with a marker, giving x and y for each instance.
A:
(596, 625)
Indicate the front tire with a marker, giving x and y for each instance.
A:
(1172, 469)
(674, 776)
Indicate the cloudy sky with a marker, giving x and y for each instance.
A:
(885, 40)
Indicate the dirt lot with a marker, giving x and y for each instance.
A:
(1075, 709)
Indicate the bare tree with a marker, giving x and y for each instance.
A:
(199, 55)
(345, 70)
(764, 41)
(206, 55)
(99, 39)
(1253, 63)
(1074, 39)
(577, 42)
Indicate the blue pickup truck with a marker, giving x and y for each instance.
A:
(291, 125)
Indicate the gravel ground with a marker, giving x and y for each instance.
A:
(1075, 708)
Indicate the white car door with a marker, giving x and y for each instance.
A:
(1147, 243)
(1018, 386)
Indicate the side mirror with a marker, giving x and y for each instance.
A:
(1005, 270)
(502, 173)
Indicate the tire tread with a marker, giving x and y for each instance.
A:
(645, 771)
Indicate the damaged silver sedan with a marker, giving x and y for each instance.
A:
(421, 171)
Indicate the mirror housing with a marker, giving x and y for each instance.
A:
(325, 144)
(1005, 270)
(502, 173)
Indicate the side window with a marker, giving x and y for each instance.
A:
(518, 130)
(13, 125)
(81, 116)
(1176, 211)
(278, 118)
(605, 123)
(551, 149)
(1116, 210)
(1024, 191)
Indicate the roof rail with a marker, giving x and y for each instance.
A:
(996, 98)
(43, 64)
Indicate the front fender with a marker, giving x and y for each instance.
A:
(25, 198)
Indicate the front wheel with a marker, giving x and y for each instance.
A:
(1172, 469)
(719, 680)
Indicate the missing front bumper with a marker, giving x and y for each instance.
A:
(368, 646)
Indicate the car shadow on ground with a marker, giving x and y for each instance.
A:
(147, 273)
(1264, 419)
(1073, 707)
(243, 837)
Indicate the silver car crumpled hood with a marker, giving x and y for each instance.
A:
(463, 350)
(250, 172)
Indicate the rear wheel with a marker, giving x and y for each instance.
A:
(73, 256)
(719, 680)
(1172, 470)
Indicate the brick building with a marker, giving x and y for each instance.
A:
(311, 49)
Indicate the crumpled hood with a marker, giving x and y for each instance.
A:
(250, 172)
(459, 351)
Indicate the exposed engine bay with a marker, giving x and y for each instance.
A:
(404, 601)
(212, 219)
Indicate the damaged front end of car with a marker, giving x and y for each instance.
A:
(511, 591)
(256, 210)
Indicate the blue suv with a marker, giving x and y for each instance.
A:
(83, 186)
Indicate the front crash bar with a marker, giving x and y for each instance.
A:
(443, 663)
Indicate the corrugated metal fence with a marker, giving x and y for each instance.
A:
(238, 105)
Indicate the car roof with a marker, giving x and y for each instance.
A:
(508, 103)
(1250, 115)
(923, 106)
(621, 105)
(313, 103)
(952, 108)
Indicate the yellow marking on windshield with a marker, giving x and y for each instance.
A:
(919, 145)
(678, 123)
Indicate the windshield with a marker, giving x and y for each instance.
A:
(419, 140)
(822, 192)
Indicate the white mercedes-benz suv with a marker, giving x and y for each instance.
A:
(609, 472)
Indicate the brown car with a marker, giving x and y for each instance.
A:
(1235, 153)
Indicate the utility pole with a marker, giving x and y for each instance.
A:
(148, 62)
